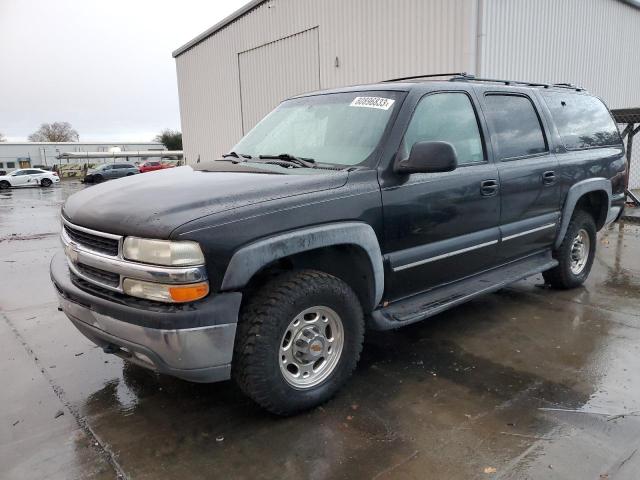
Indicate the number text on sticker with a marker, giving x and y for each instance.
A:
(372, 102)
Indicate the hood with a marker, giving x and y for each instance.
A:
(154, 204)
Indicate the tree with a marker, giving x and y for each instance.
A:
(55, 132)
(172, 139)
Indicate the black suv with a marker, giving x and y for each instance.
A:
(368, 207)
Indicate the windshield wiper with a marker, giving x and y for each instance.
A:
(241, 157)
(291, 159)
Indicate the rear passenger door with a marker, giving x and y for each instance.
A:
(528, 171)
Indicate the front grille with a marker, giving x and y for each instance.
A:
(96, 243)
(102, 276)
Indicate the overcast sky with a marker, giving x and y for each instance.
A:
(103, 66)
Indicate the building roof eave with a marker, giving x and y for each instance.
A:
(217, 27)
(256, 3)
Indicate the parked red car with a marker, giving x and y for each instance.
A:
(151, 165)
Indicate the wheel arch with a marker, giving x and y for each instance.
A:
(347, 250)
(592, 195)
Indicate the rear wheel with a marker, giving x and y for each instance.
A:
(45, 182)
(4, 184)
(299, 338)
(576, 253)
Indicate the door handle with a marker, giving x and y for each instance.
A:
(549, 178)
(488, 188)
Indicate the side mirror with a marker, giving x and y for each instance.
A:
(429, 157)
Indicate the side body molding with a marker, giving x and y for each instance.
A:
(575, 192)
(251, 258)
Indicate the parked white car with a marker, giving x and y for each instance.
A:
(29, 177)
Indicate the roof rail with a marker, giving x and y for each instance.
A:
(429, 75)
(471, 78)
(465, 77)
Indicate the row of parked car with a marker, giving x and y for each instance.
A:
(117, 170)
(41, 177)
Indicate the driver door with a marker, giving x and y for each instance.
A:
(441, 227)
(19, 178)
(108, 172)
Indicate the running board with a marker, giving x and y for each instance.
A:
(424, 305)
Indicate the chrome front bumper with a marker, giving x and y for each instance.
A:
(199, 352)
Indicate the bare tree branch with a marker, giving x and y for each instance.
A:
(55, 132)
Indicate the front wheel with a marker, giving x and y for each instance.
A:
(45, 182)
(298, 340)
(97, 178)
(576, 253)
(4, 184)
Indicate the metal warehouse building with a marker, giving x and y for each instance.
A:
(238, 70)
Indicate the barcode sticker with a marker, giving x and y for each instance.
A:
(372, 102)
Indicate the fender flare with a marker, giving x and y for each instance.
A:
(249, 259)
(573, 195)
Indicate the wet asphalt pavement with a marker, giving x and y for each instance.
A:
(524, 383)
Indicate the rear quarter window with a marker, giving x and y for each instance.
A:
(582, 120)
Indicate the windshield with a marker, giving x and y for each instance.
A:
(337, 128)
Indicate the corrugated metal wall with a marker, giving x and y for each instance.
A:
(587, 42)
(371, 39)
(591, 43)
(275, 71)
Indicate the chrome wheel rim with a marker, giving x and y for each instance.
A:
(311, 346)
(580, 252)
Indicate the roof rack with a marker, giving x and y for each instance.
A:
(472, 78)
(465, 77)
(429, 75)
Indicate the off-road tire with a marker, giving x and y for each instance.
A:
(262, 324)
(45, 182)
(4, 184)
(562, 277)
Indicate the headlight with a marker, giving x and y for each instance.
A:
(163, 252)
(165, 293)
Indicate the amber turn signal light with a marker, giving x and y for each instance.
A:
(189, 293)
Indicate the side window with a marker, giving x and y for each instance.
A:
(447, 117)
(583, 121)
(516, 126)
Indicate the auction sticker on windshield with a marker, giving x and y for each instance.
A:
(372, 102)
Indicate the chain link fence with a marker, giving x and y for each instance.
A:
(634, 169)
